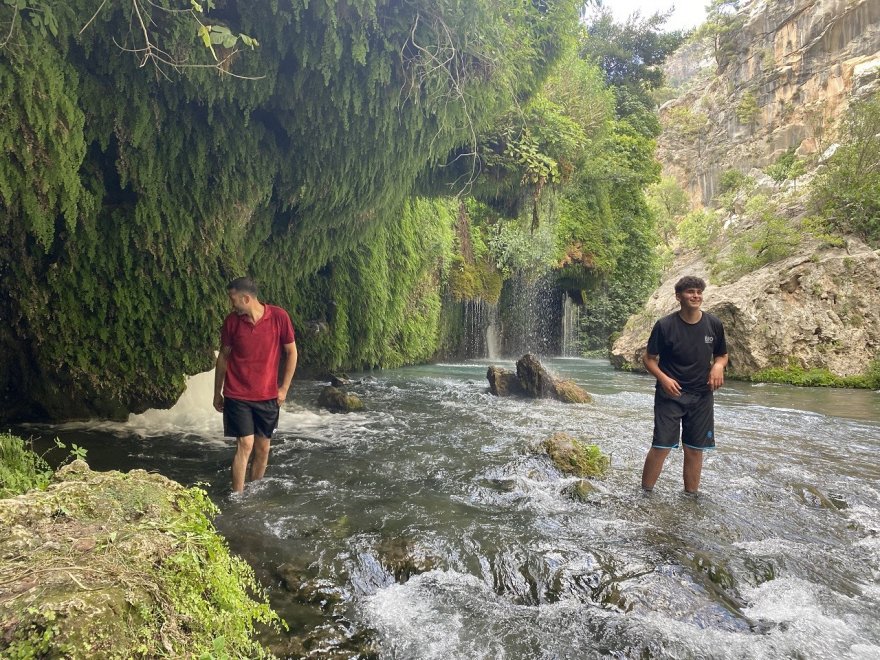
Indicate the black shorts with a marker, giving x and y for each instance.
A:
(243, 418)
(692, 414)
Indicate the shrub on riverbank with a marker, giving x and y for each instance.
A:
(20, 468)
(122, 565)
(794, 374)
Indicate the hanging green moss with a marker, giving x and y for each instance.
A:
(139, 185)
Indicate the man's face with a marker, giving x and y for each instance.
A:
(238, 301)
(690, 298)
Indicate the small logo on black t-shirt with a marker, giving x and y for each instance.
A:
(709, 339)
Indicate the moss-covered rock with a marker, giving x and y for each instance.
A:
(577, 457)
(122, 566)
(336, 400)
(568, 391)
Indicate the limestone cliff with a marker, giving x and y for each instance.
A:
(783, 83)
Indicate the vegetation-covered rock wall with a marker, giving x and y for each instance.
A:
(371, 164)
(153, 151)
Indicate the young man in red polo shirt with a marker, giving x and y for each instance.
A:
(253, 340)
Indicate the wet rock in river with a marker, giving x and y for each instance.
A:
(577, 457)
(580, 490)
(812, 496)
(568, 391)
(403, 558)
(533, 380)
(502, 382)
(336, 400)
(309, 589)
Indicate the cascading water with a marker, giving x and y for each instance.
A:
(571, 327)
(531, 314)
(493, 333)
(481, 330)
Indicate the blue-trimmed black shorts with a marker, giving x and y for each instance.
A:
(243, 418)
(688, 416)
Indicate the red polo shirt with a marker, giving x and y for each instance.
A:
(252, 366)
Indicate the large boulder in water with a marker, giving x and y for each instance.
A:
(532, 379)
(535, 380)
(502, 382)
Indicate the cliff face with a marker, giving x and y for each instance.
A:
(796, 68)
(780, 82)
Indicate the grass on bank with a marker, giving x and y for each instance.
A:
(794, 374)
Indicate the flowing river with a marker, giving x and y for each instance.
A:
(429, 527)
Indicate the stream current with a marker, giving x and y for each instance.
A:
(429, 522)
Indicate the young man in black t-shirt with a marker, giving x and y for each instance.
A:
(687, 353)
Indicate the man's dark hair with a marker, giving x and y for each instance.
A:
(689, 282)
(243, 285)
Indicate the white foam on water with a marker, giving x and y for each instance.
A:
(417, 618)
(194, 415)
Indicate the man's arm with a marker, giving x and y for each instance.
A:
(290, 357)
(220, 376)
(716, 373)
(669, 385)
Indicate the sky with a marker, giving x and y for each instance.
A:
(688, 13)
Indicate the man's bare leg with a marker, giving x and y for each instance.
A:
(653, 467)
(239, 463)
(261, 457)
(693, 468)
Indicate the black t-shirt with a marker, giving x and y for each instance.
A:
(686, 349)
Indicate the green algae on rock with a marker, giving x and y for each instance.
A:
(106, 564)
(577, 457)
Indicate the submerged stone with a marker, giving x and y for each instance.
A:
(568, 391)
(580, 490)
(403, 558)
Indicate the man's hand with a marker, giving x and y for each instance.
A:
(218, 402)
(670, 386)
(716, 376)
(282, 396)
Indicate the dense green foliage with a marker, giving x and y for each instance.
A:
(787, 166)
(138, 180)
(846, 191)
(21, 469)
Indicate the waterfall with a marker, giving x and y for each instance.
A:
(481, 330)
(571, 327)
(493, 333)
(531, 313)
